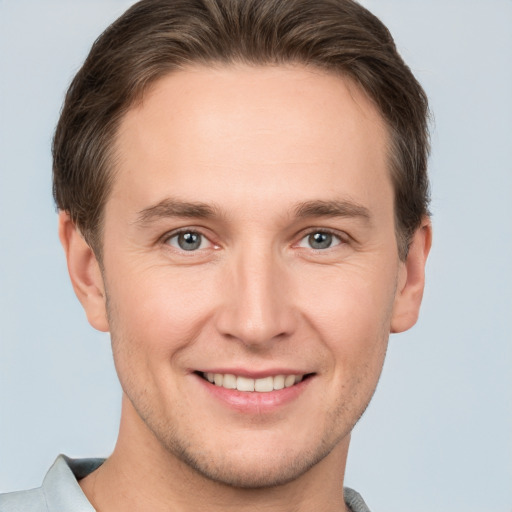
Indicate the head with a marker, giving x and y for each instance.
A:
(158, 37)
(250, 180)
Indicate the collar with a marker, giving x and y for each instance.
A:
(61, 488)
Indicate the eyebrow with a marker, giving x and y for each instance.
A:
(170, 207)
(335, 208)
(176, 208)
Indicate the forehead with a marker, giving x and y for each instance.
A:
(254, 130)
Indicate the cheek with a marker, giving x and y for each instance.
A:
(157, 312)
(351, 311)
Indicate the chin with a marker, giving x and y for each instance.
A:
(262, 470)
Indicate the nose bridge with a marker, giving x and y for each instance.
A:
(257, 309)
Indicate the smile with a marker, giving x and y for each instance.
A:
(263, 385)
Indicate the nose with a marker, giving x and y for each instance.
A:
(257, 306)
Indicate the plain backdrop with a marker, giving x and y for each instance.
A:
(438, 434)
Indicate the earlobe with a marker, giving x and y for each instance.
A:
(412, 280)
(84, 272)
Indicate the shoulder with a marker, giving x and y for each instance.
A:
(23, 501)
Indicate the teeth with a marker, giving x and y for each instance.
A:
(289, 381)
(279, 381)
(264, 385)
(229, 381)
(243, 384)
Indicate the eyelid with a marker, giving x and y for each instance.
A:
(187, 229)
(340, 235)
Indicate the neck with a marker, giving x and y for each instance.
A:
(142, 475)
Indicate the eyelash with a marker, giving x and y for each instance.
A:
(175, 234)
(341, 237)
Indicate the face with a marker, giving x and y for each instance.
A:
(249, 240)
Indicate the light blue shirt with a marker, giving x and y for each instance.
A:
(60, 491)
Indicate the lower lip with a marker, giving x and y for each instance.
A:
(255, 402)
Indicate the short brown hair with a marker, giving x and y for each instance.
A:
(155, 37)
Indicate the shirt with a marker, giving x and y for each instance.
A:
(60, 491)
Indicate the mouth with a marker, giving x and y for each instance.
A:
(246, 384)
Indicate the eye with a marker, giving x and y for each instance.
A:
(188, 241)
(319, 240)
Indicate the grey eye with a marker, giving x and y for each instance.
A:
(187, 241)
(320, 240)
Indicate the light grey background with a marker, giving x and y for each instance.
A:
(438, 435)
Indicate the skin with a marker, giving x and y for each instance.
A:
(268, 156)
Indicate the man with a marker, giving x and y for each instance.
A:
(244, 207)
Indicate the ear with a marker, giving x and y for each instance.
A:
(411, 280)
(84, 271)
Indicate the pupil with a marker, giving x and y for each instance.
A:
(320, 240)
(189, 241)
